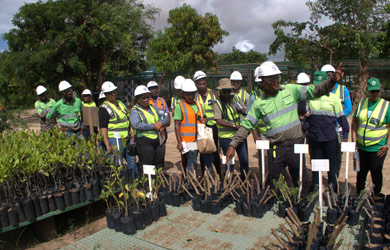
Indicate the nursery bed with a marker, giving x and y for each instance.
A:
(185, 228)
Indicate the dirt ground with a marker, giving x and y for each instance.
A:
(172, 160)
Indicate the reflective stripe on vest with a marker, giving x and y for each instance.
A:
(119, 120)
(174, 102)
(240, 96)
(208, 106)
(147, 118)
(233, 117)
(371, 130)
(161, 104)
(340, 92)
(188, 128)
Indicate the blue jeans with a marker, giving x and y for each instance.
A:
(241, 151)
(192, 160)
(130, 159)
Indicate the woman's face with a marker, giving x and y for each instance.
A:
(189, 97)
(143, 100)
(226, 93)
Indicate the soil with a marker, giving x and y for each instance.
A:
(172, 161)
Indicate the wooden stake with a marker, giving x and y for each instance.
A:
(284, 229)
(280, 239)
(185, 189)
(293, 229)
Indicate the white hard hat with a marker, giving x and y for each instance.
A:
(86, 92)
(40, 90)
(256, 74)
(328, 68)
(102, 95)
(141, 89)
(188, 86)
(152, 84)
(199, 75)
(268, 68)
(303, 78)
(64, 85)
(236, 76)
(108, 87)
(178, 82)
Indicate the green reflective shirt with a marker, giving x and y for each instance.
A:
(43, 108)
(67, 113)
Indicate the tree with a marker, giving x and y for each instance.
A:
(239, 57)
(81, 41)
(185, 46)
(362, 20)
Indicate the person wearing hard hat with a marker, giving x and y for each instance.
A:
(43, 106)
(278, 109)
(88, 102)
(240, 95)
(115, 127)
(343, 94)
(160, 103)
(67, 110)
(228, 122)
(321, 135)
(102, 98)
(178, 82)
(371, 133)
(148, 122)
(303, 110)
(207, 97)
(187, 114)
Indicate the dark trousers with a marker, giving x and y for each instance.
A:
(216, 160)
(150, 152)
(281, 156)
(325, 150)
(369, 161)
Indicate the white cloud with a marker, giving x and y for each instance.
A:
(244, 46)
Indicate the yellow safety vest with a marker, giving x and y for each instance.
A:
(148, 118)
(208, 106)
(89, 104)
(371, 130)
(232, 117)
(240, 96)
(119, 119)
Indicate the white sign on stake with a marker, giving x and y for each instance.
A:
(262, 145)
(301, 149)
(347, 147)
(150, 170)
(320, 165)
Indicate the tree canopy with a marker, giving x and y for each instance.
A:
(81, 41)
(185, 46)
(239, 57)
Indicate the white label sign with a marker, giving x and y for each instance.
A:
(320, 165)
(301, 148)
(117, 135)
(224, 160)
(262, 144)
(347, 147)
(149, 169)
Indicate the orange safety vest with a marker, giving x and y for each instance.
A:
(188, 128)
(161, 104)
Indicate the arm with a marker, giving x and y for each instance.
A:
(354, 127)
(178, 136)
(105, 139)
(137, 123)
(383, 150)
(340, 116)
(327, 85)
(347, 102)
(53, 112)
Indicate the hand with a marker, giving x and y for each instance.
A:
(180, 147)
(157, 125)
(229, 154)
(240, 111)
(109, 149)
(237, 127)
(307, 114)
(203, 120)
(382, 151)
(339, 74)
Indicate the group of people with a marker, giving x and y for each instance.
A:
(283, 114)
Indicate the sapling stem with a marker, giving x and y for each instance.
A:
(269, 197)
(185, 189)
(265, 194)
(339, 243)
(197, 182)
(368, 214)
(336, 232)
(329, 202)
(309, 237)
(257, 184)
(193, 185)
(247, 194)
(280, 239)
(252, 189)
(295, 216)
(315, 195)
(284, 229)
(293, 228)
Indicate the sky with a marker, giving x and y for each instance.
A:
(247, 21)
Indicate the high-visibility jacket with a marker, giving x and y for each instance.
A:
(340, 92)
(208, 106)
(119, 119)
(68, 113)
(160, 103)
(371, 130)
(230, 116)
(89, 104)
(240, 96)
(174, 101)
(189, 124)
(260, 126)
(147, 117)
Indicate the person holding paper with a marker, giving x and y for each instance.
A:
(278, 110)
(228, 122)
(370, 131)
(148, 128)
(325, 111)
(187, 115)
(114, 125)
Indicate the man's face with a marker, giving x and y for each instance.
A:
(226, 93)
(201, 85)
(330, 74)
(154, 91)
(87, 98)
(271, 84)
(189, 97)
(43, 97)
(374, 95)
(68, 93)
(236, 84)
